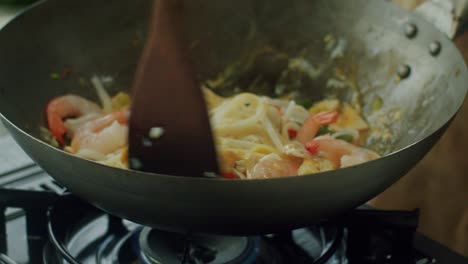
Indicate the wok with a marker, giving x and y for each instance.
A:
(422, 90)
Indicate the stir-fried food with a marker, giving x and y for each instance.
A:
(256, 136)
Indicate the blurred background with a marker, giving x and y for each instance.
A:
(438, 185)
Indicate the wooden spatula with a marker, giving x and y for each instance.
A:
(169, 129)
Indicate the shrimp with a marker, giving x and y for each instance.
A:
(102, 136)
(312, 125)
(273, 166)
(342, 153)
(67, 106)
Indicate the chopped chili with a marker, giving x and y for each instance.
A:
(312, 146)
(230, 175)
(292, 133)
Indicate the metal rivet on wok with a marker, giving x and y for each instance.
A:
(434, 48)
(404, 71)
(410, 30)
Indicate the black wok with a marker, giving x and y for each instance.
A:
(103, 38)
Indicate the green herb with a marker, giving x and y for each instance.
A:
(306, 103)
(347, 138)
(324, 130)
(82, 81)
(377, 104)
(55, 76)
(247, 104)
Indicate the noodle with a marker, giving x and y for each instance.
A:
(255, 136)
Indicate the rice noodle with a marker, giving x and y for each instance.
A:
(236, 143)
(248, 130)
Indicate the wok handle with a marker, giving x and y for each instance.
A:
(449, 16)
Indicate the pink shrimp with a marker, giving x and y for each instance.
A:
(65, 106)
(101, 136)
(312, 125)
(273, 166)
(342, 153)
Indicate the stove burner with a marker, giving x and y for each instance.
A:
(80, 233)
(163, 247)
(90, 237)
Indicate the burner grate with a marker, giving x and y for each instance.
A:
(28, 193)
(394, 231)
(136, 244)
(35, 205)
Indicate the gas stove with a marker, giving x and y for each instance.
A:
(61, 228)
(43, 223)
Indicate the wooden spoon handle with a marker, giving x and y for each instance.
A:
(166, 95)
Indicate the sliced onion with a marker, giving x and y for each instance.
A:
(347, 132)
(90, 154)
(296, 113)
(296, 149)
(105, 98)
